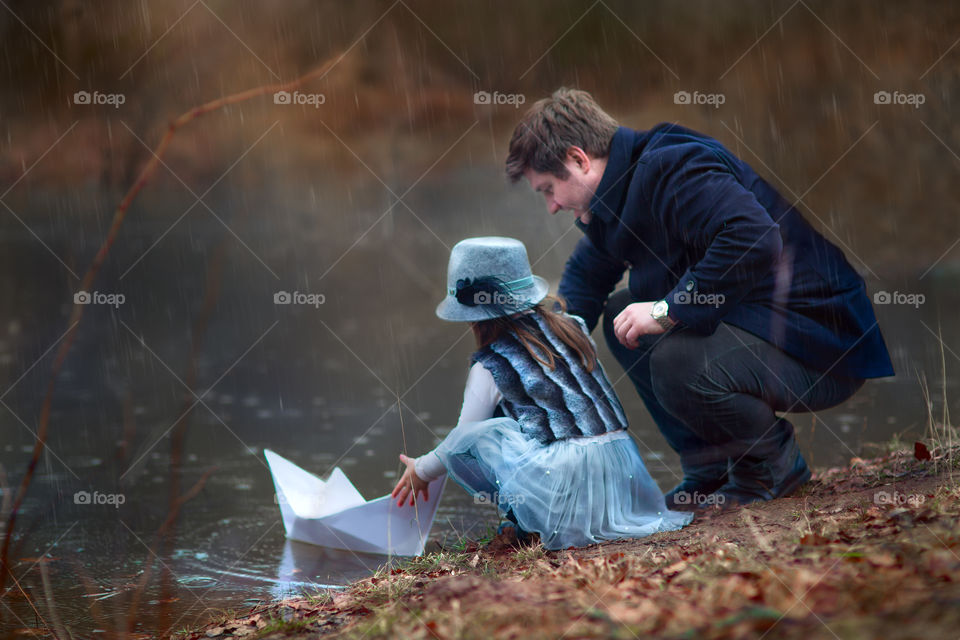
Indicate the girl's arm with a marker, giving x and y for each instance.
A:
(480, 400)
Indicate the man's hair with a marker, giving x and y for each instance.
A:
(568, 118)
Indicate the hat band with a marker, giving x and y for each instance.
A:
(513, 285)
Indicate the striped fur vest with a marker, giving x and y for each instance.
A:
(551, 405)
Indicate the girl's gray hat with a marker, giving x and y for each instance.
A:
(489, 277)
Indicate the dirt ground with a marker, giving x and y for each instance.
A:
(867, 551)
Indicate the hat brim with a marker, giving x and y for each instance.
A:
(450, 309)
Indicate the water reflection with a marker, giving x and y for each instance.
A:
(303, 566)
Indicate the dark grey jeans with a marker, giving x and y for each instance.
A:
(716, 397)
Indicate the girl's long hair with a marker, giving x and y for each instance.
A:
(552, 310)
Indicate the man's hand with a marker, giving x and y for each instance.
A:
(634, 321)
(410, 484)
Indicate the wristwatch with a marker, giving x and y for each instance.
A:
(659, 313)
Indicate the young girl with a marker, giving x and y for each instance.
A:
(559, 461)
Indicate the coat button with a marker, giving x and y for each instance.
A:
(690, 285)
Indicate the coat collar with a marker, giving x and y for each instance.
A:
(606, 202)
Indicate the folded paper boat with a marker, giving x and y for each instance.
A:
(332, 513)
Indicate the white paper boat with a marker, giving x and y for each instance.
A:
(332, 513)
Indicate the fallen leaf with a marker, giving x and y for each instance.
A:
(813, 539)
(883, 559)
(920, 451)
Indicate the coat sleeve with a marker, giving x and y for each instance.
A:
(702, 205)
(588, 278)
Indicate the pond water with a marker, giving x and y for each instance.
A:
(350, 382)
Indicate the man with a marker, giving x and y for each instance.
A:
(736, 308)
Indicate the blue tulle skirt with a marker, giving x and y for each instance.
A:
(573, 492)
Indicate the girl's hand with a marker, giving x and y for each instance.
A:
(410, 484)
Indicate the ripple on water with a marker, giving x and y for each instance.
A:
(197, 582)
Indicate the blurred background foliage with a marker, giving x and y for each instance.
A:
(798, 77)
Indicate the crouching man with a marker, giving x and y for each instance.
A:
(736, 308)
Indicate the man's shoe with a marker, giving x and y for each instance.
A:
(757, 479)
(698, 483)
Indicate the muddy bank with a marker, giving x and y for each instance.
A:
(868, 550)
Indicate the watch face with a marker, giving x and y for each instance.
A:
(659, 309)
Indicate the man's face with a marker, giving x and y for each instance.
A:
(573, 193)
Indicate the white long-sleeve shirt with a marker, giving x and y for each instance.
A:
(480, 399)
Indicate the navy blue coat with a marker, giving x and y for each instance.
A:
(698, 227)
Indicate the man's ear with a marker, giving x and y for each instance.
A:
(579, 157)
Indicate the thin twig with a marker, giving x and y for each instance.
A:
(30, 602)
(59, 631)
(211, 295)
(159, 536)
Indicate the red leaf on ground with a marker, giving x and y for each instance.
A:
(813, 539)
(920, 451)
